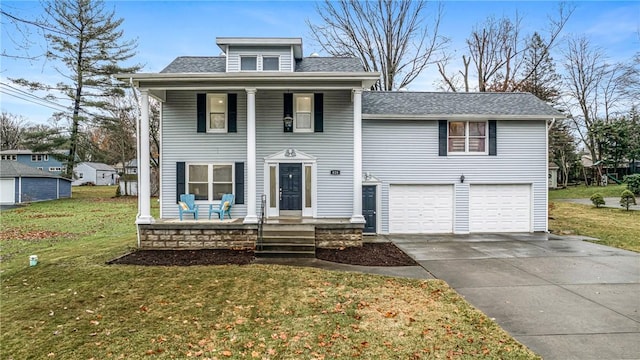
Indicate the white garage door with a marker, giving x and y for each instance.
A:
(420, 209)
(7, 191)
(500, 208)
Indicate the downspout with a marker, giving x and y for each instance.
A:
(137, 154)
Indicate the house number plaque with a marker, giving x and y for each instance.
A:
(335, 172)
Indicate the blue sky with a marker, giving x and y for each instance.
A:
(167, 29)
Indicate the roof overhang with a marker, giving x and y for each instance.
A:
(225, 42)
(469, 117)
(259, 80)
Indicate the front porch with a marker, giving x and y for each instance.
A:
(235, 234)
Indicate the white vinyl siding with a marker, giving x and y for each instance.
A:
(333, 148)
(500, 208)
(406, 152)
(420, 209)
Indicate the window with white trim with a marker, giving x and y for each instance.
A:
(10, 157)
(217, 112)
(467, 137)
(248, 63)
(209, 181)
(55, 169)
(303, 112)
(270, 63)
(39, 157)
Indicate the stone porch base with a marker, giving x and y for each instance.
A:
(233, 234)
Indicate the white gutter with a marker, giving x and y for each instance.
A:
(454, 116)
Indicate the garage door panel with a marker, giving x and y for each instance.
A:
(420, 209)
(7, 191)
(500, 208)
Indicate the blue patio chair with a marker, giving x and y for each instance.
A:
(187, 205)
(224, 208)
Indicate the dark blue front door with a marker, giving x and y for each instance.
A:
(290, 186)
(369, 208)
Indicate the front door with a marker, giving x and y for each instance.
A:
(369, 208)
(290, 187)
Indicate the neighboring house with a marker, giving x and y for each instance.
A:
(20, 183)
(128, 168)
(41, 161)
(94, 173)
(553, 175)
(305, 135)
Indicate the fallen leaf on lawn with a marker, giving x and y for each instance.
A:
(89, 311)
(227, 353)
(255, 354)
(94, 322)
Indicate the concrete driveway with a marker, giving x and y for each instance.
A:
(563, 298)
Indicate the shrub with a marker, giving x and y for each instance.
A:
(633, 183)
(627, 199)
(118, 191)
(597, 200)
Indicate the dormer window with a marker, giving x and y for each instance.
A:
(259, 63)
(270, 63)
(248, 63)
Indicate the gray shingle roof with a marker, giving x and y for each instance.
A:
(329, 64)
(12, 169)
(217, 64)
(196, 64)
(450, 103)
(99, 166)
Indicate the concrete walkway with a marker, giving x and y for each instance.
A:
(562, 297)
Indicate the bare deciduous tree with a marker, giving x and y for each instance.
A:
(496, 50)
(390, 37)
(12, 130)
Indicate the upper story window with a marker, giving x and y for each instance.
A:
(467, 137)
(10, 157)
(270, 63)
(248, 63)
(259, 63)
(217, 110)
(303, 113)
(39, 157)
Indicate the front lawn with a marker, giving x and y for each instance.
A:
(73, 306)
(614, 227)
(585, 192)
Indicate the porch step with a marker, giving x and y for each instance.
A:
(287, 240)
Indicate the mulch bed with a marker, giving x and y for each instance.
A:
(370, 254)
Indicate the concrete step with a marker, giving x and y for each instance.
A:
(295, 233)
(288, 239)
(289, 227)
(284, 254)
(287, 247)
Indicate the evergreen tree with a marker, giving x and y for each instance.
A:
(539, 71)
(86, 46)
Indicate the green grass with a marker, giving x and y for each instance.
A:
(613, 227)
(73, 306)
(585, 192)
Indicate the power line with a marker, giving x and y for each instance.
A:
(23, 95)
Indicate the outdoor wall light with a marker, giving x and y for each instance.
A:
(461, 178)
(288, 123)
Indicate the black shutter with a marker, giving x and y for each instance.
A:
(202, 112)
(232, 113)
(442, 138)
(180, 180)
(239, 182)
(288, 109)
(493, 146)
(318, 120)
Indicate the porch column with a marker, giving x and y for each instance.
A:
(251, 217)
(144, 176)
(357, 217)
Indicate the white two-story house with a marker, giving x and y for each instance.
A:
(296, 137)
